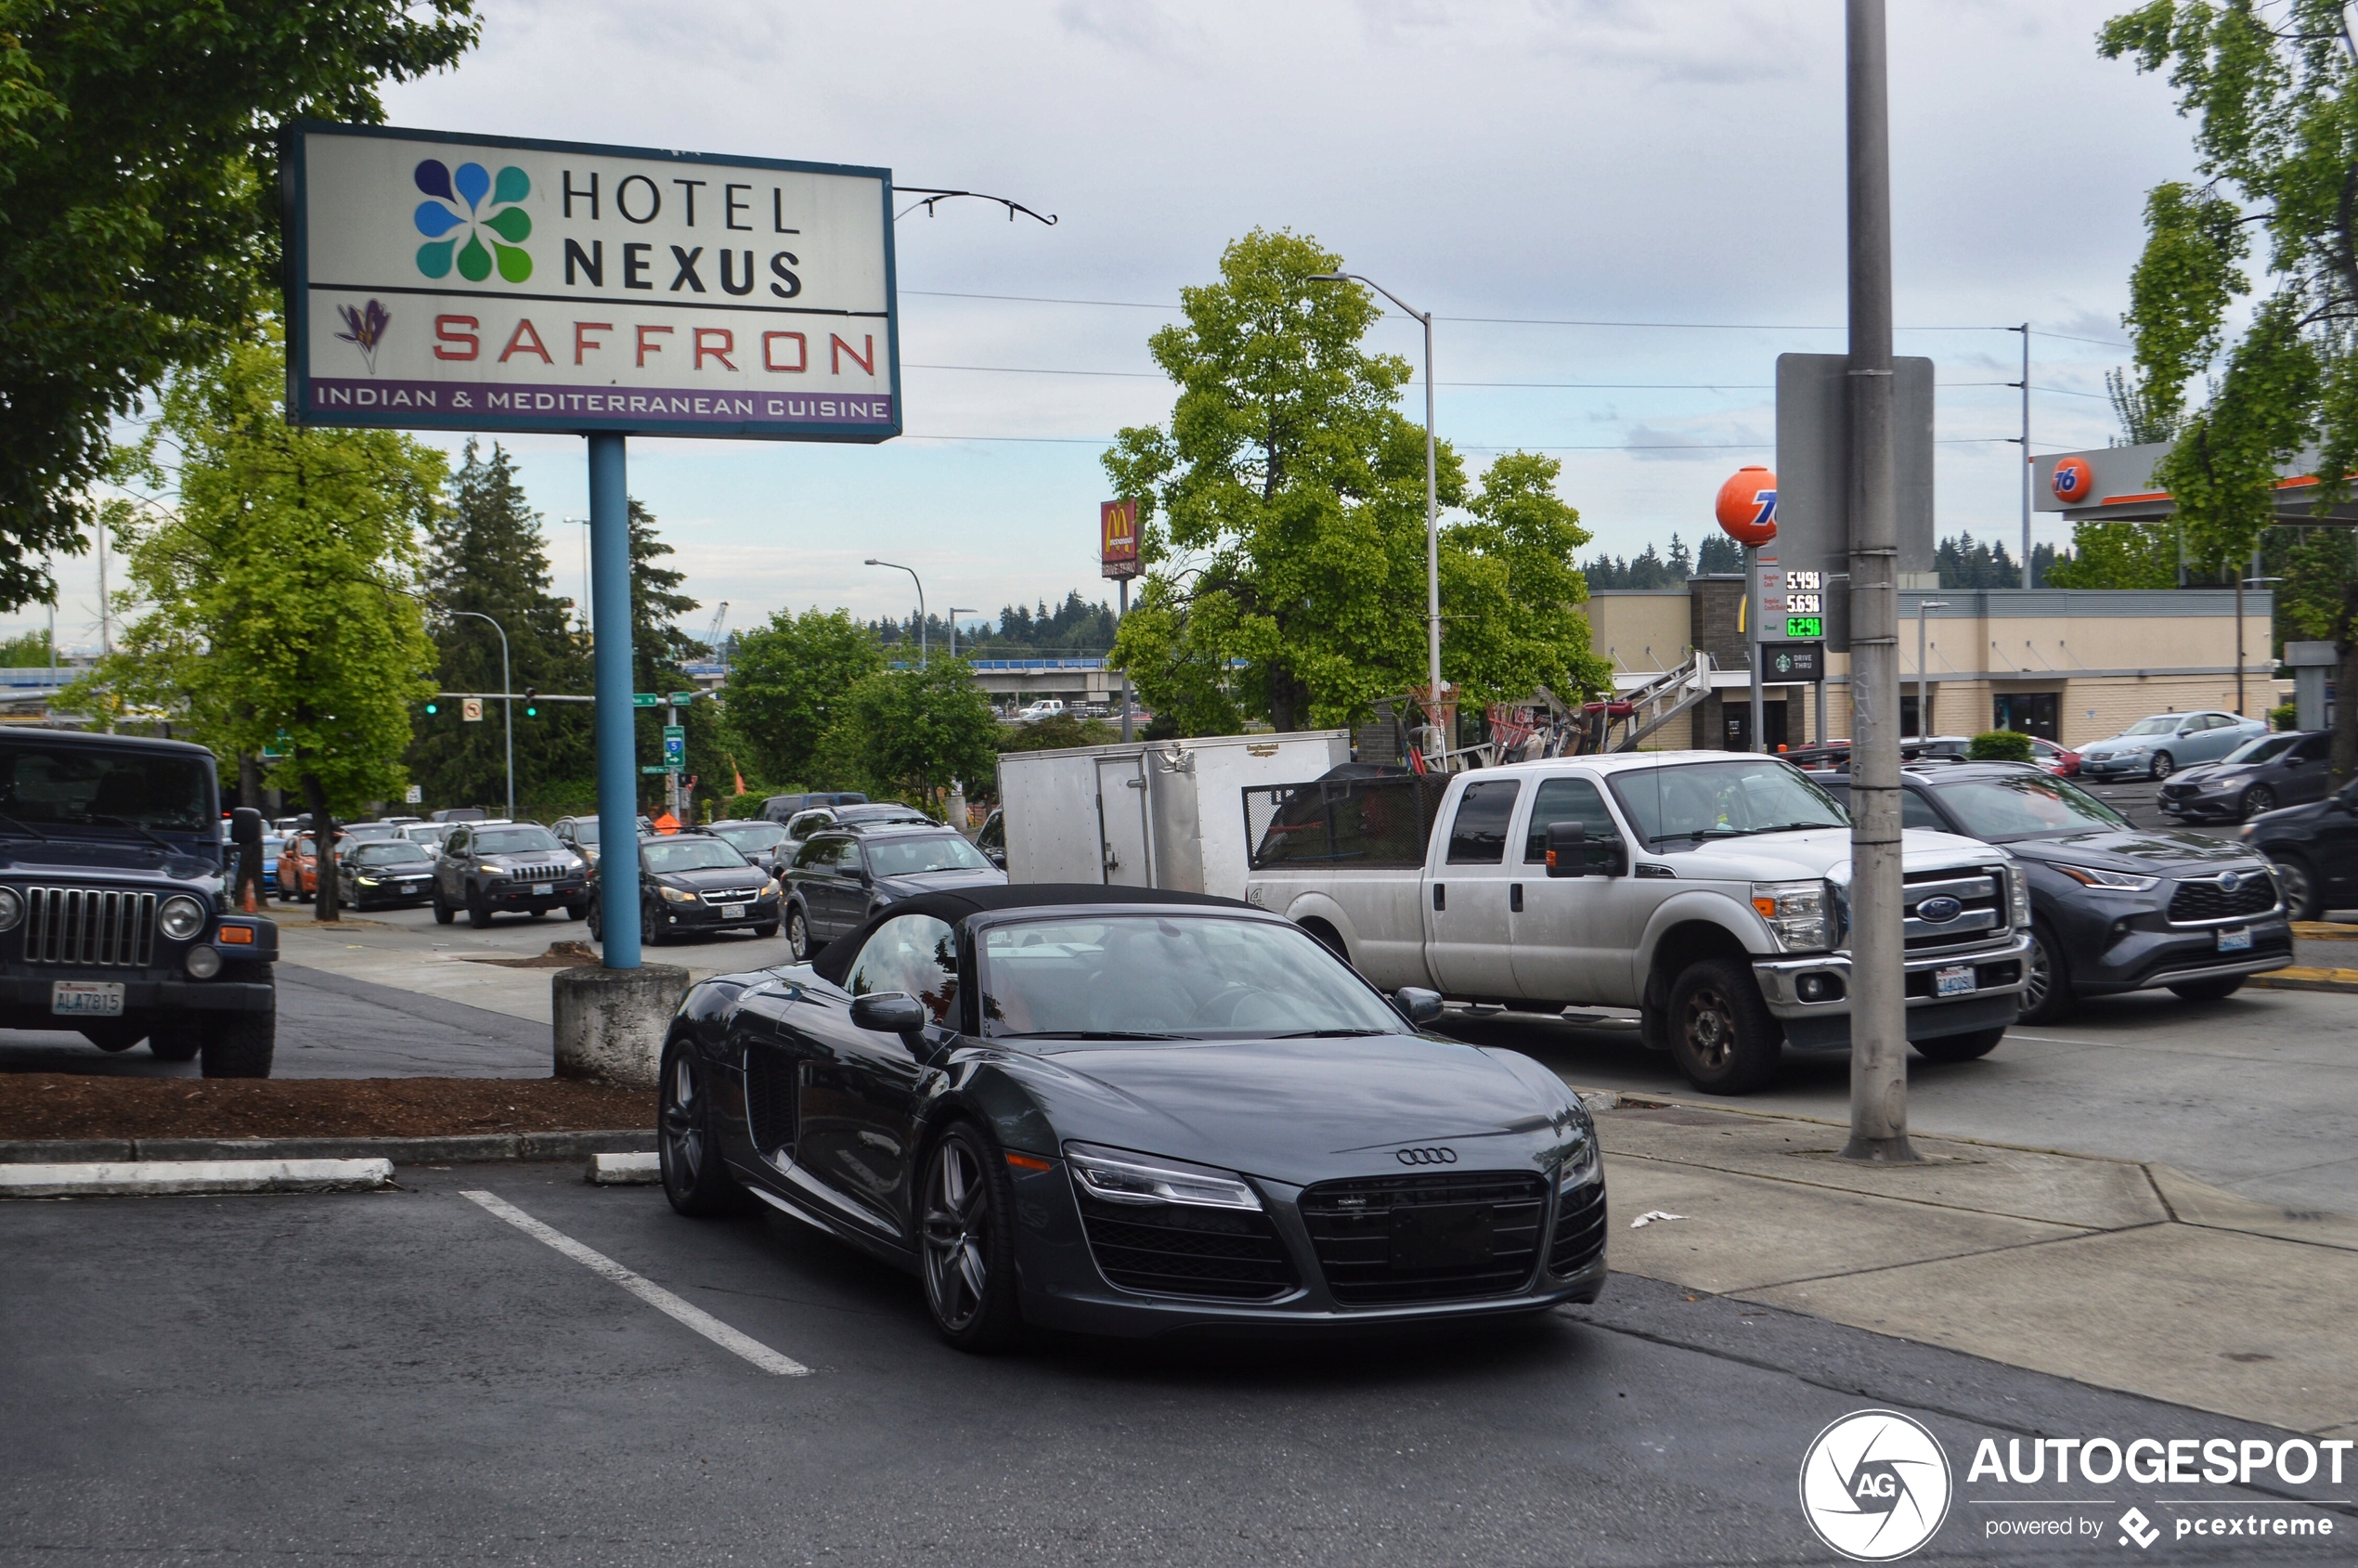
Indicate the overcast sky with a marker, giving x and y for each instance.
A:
(1556, 160)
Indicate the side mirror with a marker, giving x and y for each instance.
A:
(1420, 1006)
(890, 1012)
(245, 822)
(1567, 849)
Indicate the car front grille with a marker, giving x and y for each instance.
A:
(90, 926)
(534, 873)
(1981, 892)
(714, 897)
(1580, 1230)
(2180, 789)
(1179, 1249)
(1359, 1225)
(2254, 893)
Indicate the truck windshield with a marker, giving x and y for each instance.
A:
(1700, 800)
(43, 787)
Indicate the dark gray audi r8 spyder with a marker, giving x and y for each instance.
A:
(1120, 1111)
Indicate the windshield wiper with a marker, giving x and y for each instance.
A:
(1327, 1033)
(1090, 1034)
(1780, 827)
(28, 832)
(164, 844)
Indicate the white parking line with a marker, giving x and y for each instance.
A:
(647, 1290)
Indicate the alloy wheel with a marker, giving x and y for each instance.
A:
(2041, 979)
(1711, 1028)
(798, 936)
(2163, 766)
(2259, 800)
(682, 1122)
(2292, 876)
(957, 1232)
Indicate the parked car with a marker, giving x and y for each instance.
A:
(2062, 761)
(778, 807)
(757, 841)
(460, 814)
(349, 833)
(1117, 1110)
(2288, 768)
(818, 819)
(844, 875)
(486, 868)
(992, 838)
(385, 874)
(690, 884)
(298, 877)
(2114, 908)
(428, 837)
(1046, 707)
(1707, 890)
(580, 834)
(272, 846)
(2314, 851)
(2156, 747)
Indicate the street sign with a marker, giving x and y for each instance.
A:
(675, 732)
(442, 281)
(675, 745)
(415, 795)
(652, 770)
(1792, 663)
(644, 699)
(681, 699)
(471, 709)
(1118, 538)
(1813, 470)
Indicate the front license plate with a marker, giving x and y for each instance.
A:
(86, 999)
(1957, 982)
(1440, 1236)
(2238, 940)
(411, 886)
(542, 890)
(732, 912)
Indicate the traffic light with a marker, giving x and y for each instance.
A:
(531, 696)
(432, 706)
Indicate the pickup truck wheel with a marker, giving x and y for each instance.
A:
(176, 1040)
(239, 1044)
(1721, 1033)
(1960, 1047)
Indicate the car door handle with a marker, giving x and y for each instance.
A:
(1440, 896)
(1514, 897)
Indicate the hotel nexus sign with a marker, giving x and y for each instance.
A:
(441, 281)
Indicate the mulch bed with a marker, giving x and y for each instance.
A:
(60, 1105)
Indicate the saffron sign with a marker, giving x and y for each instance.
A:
(452, 283)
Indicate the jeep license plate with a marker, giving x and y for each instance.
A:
(732, 912)
(86, 999)
(542, 890)
(2237, 940)
(1957, 982)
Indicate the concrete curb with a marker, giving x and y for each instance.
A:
(467, 1149)
(623, 1170)
(2302, 977)
(192, 1177)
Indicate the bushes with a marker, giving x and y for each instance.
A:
(2285, 718)
(2000, 746)
(1057, 733)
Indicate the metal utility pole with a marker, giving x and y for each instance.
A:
(1124, 584)
(1759, 740)
(1432, 502)
(956, 611)
(1924, 708)
(896, 566)
(507, 701)
(2025, 385)
(1878, 1006)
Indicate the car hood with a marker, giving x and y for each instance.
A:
(942, 881)
(2142, 852)
(1295, 1111)
(1812, 853)
(529, 857)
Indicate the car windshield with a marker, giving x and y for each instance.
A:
(515, 841)
(1701, 800)
(403, 853)
(44, 787)
(688, 854)
(914, 857)
(2161, 724)
(2262, 748)
(585, 830)
(2023, 805)
(1178, 975)
(749, 836)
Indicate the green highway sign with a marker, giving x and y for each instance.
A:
(644, 699)
(647, 770)
(675, 732)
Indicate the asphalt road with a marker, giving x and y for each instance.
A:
(409, 1378)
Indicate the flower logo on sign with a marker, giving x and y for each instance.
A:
(365, 329)
(495, 227)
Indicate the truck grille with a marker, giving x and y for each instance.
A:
(95, 927)
(535, 873)
(1178, 1249)
(1580, 1230)
(1367, 1233)
(1982, 916)
(2194, 901)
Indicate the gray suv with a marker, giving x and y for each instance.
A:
(516, 867)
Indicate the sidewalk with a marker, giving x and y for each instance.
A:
(2124, 1275)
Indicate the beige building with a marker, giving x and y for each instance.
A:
(2071, 665)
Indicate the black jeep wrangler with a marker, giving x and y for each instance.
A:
(114, 918)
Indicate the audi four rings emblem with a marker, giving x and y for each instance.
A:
(1428, 1156)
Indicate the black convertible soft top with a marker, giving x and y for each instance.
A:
(834, 960)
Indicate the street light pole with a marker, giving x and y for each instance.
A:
(956, 611)
(507, 700)
(896, 566)
(1923, 713)
(1433, 501)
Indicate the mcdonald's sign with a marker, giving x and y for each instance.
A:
(1118, 538)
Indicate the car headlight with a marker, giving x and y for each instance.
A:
(203, 962)
(181, 917)
(674, 896)
(770, 888)
(369, 881)
(2095, 877)
(1118, 1176)
(11, 908)
(1579, 1167)
(2019, 897)
(1797, 914)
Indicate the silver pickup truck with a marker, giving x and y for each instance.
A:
(1709, 890)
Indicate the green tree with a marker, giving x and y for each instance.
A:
(919, 731)
(788, 682)
(28, 650)
(485, 555)
(139, 176)
(281, 599)
(1511, 593)
(2273, 91)
(1284, 515)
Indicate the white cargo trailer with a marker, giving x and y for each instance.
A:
(1149, 813)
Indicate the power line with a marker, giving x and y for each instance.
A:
(1526, 387)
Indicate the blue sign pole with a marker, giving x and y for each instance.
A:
(611, 683)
